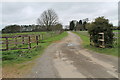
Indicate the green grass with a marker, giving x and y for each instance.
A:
(116, 30)
(86, 44)
(19, 56)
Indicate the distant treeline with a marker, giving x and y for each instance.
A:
(29, 28)
(83, 25)
(116, 28)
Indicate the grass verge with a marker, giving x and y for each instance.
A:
(86, 44)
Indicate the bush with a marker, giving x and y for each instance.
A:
(101, 25)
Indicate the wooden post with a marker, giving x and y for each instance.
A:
(7, 44)
(90, 39)
(29, 42)
(37, 40)
(103, 41)
(16, 41)
(22, 40)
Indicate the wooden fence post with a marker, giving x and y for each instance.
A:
(7, 44)
(16, 41)
(29, 42)
(22, 40)
(37, 40)
(90, 39)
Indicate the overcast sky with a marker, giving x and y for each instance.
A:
(28, 12)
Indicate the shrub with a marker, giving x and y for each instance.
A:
(101, 25)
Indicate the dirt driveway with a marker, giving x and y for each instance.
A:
(67, 59)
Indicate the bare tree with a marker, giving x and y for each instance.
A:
(48, 19)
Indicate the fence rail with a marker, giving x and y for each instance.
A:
(18, 42)
(24, 41)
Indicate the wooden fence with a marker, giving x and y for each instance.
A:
(24, 41)
(19, 42)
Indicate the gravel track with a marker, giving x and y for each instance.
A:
(67, 59)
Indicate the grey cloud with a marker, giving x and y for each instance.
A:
(28, 12)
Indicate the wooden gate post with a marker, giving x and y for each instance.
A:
(22, 40)
(101, 40)
(29, 42)
(16, 41)
(90, 39)
(37, 40)
(7, 44)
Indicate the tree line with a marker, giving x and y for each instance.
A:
(83, 25)
(80, 25)
(48, 21)
(29, 28)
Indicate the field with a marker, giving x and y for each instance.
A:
(22, 55)
(86, 44)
